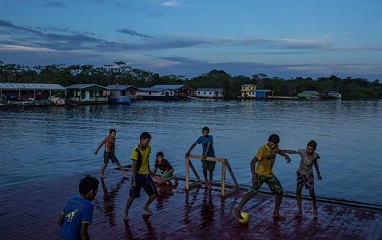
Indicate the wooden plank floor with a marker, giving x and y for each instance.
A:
(31, 213)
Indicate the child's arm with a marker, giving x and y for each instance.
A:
(84, 231)
(290, 151)
(207, 149)
(100, 145)
(282, 153)
(253, 168)
(155, 171)
(317, 169)
(60, 220)
(189, 150)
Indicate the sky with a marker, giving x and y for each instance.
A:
(278, 38)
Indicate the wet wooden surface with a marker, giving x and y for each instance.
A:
(31, 213)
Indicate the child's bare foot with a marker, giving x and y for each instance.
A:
(315, 215)
(278, 217)
(102, 176)
(146, 209)
(206, 185)
(236, 214)
(124, 171)
(125, 217)
(298, 214)
(209, 186)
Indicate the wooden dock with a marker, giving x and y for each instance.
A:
(31, 213)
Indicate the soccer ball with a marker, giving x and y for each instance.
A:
(245, 217)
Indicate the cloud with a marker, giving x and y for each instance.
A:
(55, 4)
(133, 33)
(172, 3)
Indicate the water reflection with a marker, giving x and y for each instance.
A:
(109, 200)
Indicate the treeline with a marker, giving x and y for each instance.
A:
(120, 73)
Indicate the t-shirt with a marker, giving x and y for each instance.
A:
(204, 141)
(306, 163)
(142, 158)
(77, 210)
(165, 166)
(266, 157)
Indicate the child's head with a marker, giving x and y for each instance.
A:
(112, 132)
(205, 131)
(273, 140)
(89, 186)
(145, 139)
(311, 147)
(160, 156)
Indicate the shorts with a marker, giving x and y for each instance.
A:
(167, 175)
(209, 165)
(109, 155)
(145, 181)
(305, 180)
(272, 182)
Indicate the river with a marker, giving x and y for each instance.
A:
(40, 143)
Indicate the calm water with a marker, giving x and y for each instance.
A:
(43, 143)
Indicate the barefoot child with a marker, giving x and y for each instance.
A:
(109, 153)
(265, 158)
(77, 214)
(305, 175)
(141, 175)
(166, 169)
(208, 151)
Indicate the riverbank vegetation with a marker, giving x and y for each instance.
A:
(119, 73)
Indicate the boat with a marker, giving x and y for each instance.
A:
(116, 98)
(58, 101)
(308, 95)
(331, 95)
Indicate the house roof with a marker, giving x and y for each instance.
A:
(153, 89)
(209, 89)
(119, 87)
(30, 86)
(171, 87)
(83, 86)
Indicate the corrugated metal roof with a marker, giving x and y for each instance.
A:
(82, 86)
(30, 86)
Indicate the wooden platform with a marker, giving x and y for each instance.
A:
(31, 213)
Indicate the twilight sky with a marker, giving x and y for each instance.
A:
(280, 38)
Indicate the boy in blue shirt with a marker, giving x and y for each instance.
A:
(77, 214)
(208, 151)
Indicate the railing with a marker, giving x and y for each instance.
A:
(225, 165)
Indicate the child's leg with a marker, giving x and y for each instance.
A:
(128, 205)
(210, 179)
(244, 200)
(298, 198)
(103, 170)
(313, 196)
(276, 214)
(149, 201)
(205, 176)
(120, 167)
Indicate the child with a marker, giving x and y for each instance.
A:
(109, 153)
(305, 175)
(166, 169)
(141, 175)
(77, 214)
(208, 150)
(265, 158)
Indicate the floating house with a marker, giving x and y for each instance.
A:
(248, 91)
(87, 93)
(29, 91)
(209, 93)
(164, 92)
(121, 94)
